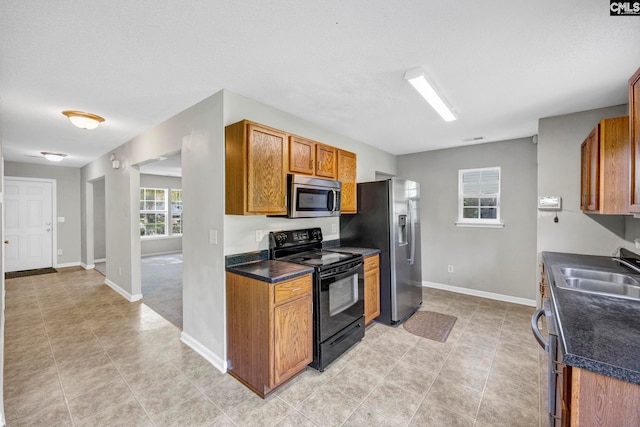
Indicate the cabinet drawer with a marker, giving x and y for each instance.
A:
(292, 289)
(371, 262)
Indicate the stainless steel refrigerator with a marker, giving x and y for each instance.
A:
(388, 219)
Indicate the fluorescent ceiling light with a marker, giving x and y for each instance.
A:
(54, 157)
(417, 78)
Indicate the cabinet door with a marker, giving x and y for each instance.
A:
(584, 175)
(590, 171)
(301, 155)
(293, 338)
(325, 161)
(371, 295)
(266, 180)
(634, 135)
(347, 175)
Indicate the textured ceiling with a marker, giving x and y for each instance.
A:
(501, 65)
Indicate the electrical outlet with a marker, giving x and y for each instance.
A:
(213, 237)
(450, 268)
(258, 235)
(334, 228)
(59, 251)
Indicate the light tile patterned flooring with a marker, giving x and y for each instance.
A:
(77, 353)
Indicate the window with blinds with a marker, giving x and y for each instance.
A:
(479, 197)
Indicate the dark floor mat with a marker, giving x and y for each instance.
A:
(25, 273)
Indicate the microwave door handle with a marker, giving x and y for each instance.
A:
(335, 201)
(331, 201)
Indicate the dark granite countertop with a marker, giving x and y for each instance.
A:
(270, 270)
(600, 333)
(365, 252)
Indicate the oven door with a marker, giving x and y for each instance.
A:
(340, 301)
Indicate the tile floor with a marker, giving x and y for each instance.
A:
(77, 353)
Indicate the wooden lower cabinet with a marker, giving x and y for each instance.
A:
(599, 401)
(371, 288)
(269, 330)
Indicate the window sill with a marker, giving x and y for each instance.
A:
(173, 236)
(480, 224)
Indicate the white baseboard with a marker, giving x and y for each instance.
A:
(118, 289)
(68, 264)
(212, 358)
(99, 260)
(88, 266)
(477, 293)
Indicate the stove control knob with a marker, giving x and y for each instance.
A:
(281, 237)
(317, 234)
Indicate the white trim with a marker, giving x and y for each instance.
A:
(480, 224)
(203, 351)
(69, 264)
(118, 289)
(483, 294)
(99, 260)
(88, 266)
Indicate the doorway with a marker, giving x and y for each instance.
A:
(28, 223)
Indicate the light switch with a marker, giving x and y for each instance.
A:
(60, 219)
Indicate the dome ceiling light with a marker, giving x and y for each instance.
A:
(83, 120)
(54, 157)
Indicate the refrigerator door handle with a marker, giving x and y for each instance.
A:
(413, 233)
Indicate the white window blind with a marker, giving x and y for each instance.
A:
(479, 197)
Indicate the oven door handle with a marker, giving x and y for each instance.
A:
(536, 330)
(342, 274)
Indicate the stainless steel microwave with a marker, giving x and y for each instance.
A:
(311, 197)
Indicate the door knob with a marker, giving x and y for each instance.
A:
(6, 242)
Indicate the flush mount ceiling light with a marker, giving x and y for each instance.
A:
(83, 120)
(54, 157)
(416, 77)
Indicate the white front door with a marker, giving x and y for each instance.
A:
(28, 224)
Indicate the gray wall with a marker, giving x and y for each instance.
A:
(67, 206)
(492, 260)
(559, 141)
(160, 245)
(99, 220)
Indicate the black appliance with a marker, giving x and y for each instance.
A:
(338, 291)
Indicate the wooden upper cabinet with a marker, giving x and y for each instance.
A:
(311, 158)
(634, 135)
(605, 157)
(325, 161)
(347, 175)
(256, 164)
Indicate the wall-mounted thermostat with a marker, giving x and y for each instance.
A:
(550, 203)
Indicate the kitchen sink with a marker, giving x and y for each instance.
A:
(600, 282)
